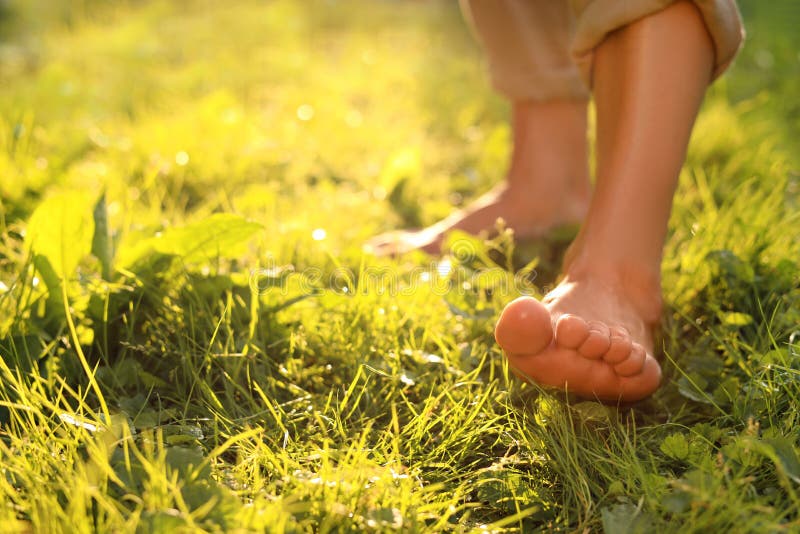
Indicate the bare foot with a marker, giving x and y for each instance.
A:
(585, 337)
(530, 217)
(547, 184)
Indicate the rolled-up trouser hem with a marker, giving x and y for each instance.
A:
(598, 18)
(543, 49)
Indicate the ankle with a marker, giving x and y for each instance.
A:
(637, 283)
(544, 207)
(557, 190)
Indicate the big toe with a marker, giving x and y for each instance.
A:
(524, 327)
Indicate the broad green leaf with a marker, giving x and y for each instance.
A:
(219, 235)
(185, 459)
(676, 502)
(625, 518)
(175, 433)
(593, 411)
(775, 356)
(782, 452)
(198, 495)
(708, 432)
(742, 451)
(162, 521)
(505, 489)
(21, 352)
(693, 389)
(151, 380)
(385, 518)
(133, 247)
(146, 419)
(61, 230)
(403, 164)
(728, 390)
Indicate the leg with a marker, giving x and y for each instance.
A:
(650, 78)
(547, 182)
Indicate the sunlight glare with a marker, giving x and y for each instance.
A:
(444, 267)
(353, 118)
(70, 420)
(305, 112)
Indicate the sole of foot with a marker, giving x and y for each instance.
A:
(607, 360)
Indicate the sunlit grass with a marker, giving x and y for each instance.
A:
(224, 162)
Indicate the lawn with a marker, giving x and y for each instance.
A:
(193, 340)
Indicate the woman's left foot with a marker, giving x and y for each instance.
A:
(532, 212)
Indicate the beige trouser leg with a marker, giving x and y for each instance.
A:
(543, 49)
(527, 43)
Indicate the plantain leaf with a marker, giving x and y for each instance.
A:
(219, 235)
(61, 230)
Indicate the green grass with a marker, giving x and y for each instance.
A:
(185, 349)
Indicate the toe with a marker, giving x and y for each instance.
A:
(571, 331)
(642, 385)
(620, 346)
(598, 341)
(634, 363)
(524, 327)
